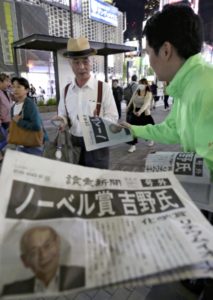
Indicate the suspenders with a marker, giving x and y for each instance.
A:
(98, 102)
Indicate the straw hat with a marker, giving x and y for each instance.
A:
(78, 47)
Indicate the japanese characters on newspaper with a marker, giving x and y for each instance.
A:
(65, 228)
(99, 133)
(190, 170)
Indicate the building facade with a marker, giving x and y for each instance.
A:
(56, 19)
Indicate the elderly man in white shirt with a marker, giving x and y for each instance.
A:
(81, 98)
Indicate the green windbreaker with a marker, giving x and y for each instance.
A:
(190, 122)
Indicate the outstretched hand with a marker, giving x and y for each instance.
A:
(137, 113)
(58, 122)
(124, 124)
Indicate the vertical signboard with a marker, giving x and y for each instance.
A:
(8, 30)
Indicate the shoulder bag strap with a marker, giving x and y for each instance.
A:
(65, 95)
(131, 86)
(66, 90)
(99, 98)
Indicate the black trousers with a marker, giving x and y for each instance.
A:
(165, 99)
(96, 158)
(5, 125)
(142, 120)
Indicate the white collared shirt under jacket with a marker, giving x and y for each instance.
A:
(83, 100)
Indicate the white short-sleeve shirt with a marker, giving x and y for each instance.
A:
(83, 100)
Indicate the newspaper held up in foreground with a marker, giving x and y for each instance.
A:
(100, 133)
(66, 228)
(190, 169)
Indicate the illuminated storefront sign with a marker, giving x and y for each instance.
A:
(103, 12)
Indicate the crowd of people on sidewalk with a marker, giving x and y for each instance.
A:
(18, 101)
(37, 96)
(19, 109)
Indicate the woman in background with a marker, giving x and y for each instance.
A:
(25, 114)
(5, 104)
(141, 115)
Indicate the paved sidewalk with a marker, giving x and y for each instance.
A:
(121, 159)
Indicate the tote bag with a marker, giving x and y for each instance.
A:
(62, 148)
(20, 136)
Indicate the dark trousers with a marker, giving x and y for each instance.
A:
(118, 104)
(165, 99)
(5, 125)
(142, 120)
(156, 98)
(208, 290)
(96, 158)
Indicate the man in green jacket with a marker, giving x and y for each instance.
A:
(174, 40)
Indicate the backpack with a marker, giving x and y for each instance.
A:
(128, 91)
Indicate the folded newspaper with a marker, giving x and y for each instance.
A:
(67, 228)
(99, 133)
(190, 169)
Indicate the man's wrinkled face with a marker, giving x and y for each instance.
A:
(81, 67)
(41, 253)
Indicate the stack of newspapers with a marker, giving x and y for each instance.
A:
(191, 171)
(66, 228)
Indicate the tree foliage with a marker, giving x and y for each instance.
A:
(150, 7)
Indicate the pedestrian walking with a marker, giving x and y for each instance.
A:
(5, 105)
(41, 93)
(154, 91)
(26, 120)
(165, 97)
(141, 116)
(118, 95)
